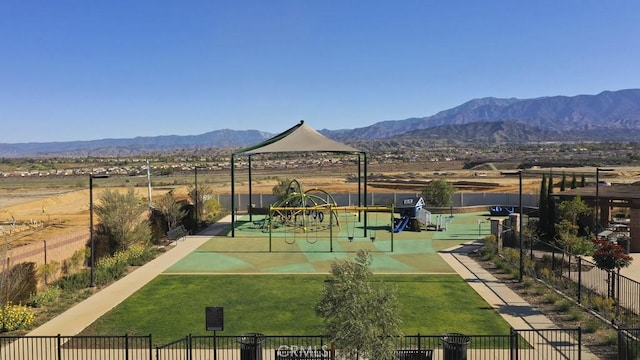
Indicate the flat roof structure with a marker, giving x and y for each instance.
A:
(609, 196)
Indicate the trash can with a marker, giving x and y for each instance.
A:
(625, 243)
(251, 346)
(455, 346)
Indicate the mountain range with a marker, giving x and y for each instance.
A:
(608, 116)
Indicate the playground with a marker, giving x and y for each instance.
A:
(293, 273)
(254, 250)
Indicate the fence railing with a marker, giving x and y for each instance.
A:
(628, 344)
(528, 344)
(606, 292)
(518, 344)
(59, 347)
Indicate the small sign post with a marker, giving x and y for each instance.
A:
(214, 319)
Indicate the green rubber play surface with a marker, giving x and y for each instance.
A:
(257, 248)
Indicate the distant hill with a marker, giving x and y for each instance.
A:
(609, 110)
(139, 145)
(608, 116)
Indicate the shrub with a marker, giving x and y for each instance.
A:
(603, 305)
(18, 283)
(74, 263)
(47, 271)
(15, 317)
(563, 306)
(575, 315)
(592, 325)
(489, 247)
(47, 296)
(74, 282)
(550, 298)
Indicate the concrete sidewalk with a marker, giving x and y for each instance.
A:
(513, 308)
(77, 318)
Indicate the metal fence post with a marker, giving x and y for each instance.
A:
(579, 343)
(126, 346)
(151, 348)
(513, 344)
(579, 280)
(59, 347)
(187, 348)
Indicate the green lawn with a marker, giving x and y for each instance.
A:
(172, 306)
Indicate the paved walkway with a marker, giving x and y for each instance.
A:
(513, 308)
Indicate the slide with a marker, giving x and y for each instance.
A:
(401, 224)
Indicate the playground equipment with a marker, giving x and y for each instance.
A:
(303, 211)
(413, 216)
(501, 210)
(314, 214)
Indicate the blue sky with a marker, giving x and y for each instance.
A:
(85, 70)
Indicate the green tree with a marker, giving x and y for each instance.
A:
(439, 193)
(572, 210)
(563, 182)
(574, 182)
(121, 219)
(551, 209)
(583, 181)
(361, 317)
(542, 206)
(568, 228)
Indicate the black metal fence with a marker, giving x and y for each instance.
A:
(529, 344)
(518, 344)
(628, 344)
(59, 347)
(608, 293)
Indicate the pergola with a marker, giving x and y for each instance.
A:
(624, 196)
(299, 138)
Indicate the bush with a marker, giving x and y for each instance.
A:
(489, 247)
(15, 317)
(563, 306)
(74, 263)
(18, 283)
(74, 282)
(47, 296)
(550, 298)
(592, 325)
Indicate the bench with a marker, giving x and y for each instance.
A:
(414, 354)
(303, 354)
(177, 233)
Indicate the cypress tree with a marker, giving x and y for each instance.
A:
(542, 206)
(551, 210)
(583, 181)
(563, 183)
(574, 182)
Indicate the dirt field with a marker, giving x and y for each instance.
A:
(31, 214)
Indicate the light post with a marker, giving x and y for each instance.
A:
(597, 222)
(196, 200)
(196, 196)
(521, 270)
(91, 237)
